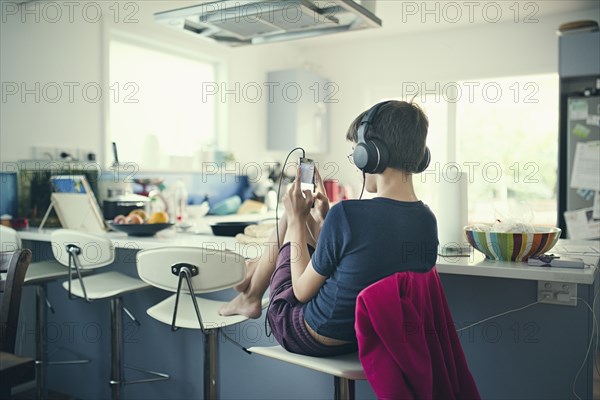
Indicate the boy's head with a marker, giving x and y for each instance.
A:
(402, 127)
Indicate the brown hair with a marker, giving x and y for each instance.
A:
(402, 127)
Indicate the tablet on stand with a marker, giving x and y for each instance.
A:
(75, 204)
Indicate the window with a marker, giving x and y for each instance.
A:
(157, 115)
(504, 134)
(508, 132)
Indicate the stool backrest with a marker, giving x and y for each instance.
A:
(15, 264)
(217, 269)
(94, 251)
(9, 239)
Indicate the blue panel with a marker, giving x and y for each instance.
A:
(217, 186)
(8, 193)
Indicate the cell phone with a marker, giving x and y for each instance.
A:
(307, 174)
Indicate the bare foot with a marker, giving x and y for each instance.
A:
(251, 265)
(243, 304)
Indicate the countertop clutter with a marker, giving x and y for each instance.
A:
(474, 264)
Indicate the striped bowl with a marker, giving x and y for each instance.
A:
(513, 246)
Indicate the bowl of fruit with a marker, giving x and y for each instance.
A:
(138, 223)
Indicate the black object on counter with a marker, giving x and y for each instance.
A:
(139, 229)
(229, 228)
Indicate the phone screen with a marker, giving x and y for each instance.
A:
(307, 174)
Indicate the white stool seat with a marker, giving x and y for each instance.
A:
(186, 314)
(45, 271)
(346, 366)
(105, 285)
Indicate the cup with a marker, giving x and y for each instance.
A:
(334, 190)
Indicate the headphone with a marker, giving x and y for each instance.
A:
(371, 155)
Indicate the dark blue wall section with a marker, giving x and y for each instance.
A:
(8, 193)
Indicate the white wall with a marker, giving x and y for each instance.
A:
(364, 70)
(72, 50)
(369, 70)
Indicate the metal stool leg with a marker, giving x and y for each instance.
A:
(344, 388)
(117, 374)
(40, 343)
(210, 364)
(116, 370)
(42, 361)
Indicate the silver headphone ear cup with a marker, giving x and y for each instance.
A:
(360, 156)
(381, 156)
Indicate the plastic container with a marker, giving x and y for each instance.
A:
(176, 197)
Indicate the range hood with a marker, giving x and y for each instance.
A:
(239, 23)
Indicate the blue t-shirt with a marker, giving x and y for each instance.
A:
(360, 243)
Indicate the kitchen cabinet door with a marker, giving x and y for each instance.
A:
(298, 111)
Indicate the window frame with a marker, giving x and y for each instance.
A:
(164, 46)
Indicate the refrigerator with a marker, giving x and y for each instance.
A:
(579, 171)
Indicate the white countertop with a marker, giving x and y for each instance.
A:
(477, 265)
(199, 235)
(474, 265)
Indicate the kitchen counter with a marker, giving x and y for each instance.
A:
(516, 334)
(474, 265)
(199, 235)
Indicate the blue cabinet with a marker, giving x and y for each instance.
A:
(298, 110)
(579, 54)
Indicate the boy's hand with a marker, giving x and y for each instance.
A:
(321, 208)
(297, 206)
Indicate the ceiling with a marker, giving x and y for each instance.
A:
(409, 17)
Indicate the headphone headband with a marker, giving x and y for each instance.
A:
(368, 119)
(371, 155)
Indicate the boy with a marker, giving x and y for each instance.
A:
(358, 242)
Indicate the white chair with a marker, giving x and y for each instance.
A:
(203, 271)
(38, 275)
(81, 251)
(345, 369)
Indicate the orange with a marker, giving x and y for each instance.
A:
(159, 217)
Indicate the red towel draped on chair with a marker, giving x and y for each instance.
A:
(408, 344)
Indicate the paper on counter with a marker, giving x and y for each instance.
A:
(581, 224)
(576, 249)
(586, 166)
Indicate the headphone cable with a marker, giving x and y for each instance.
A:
(279, 191)
(283, 287)
(363, 185)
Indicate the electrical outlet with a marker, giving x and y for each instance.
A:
(43, 153)
(72, 152)
(83, 153)
(557, 293)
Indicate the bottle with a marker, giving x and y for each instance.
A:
(180, 198)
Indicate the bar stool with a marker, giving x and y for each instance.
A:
(203, 271)
(38, 275)
(345, 369)
(80, 250)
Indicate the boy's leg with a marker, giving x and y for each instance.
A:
(248, 302)
(260, 269)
